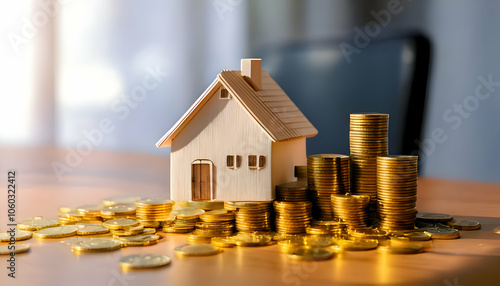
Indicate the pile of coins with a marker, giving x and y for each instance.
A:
(149, 212)
(90, 212)
(327, 174)
(216, 223)
(292, 217)
(182, 220)
(351, 209)
(252, 216)
(368, 139)
(292, 192)
(397, 191)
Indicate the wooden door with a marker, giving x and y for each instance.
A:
(201, 181)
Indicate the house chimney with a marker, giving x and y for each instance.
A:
(251, 72)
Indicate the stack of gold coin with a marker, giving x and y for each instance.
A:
(149, 210)
(215, 223)
(251, 216)
(368, 138)
(118, 211)
(397, 191)
(90, 212)
(292, 192)
(292, 217)
(184, 220)
(351, 209)
(327, 174)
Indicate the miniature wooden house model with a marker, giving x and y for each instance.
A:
(241, 138)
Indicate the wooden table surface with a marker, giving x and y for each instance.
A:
(474, 259)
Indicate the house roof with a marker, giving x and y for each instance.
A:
(271, 108)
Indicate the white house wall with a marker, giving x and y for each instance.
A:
(286, 155)
(222, 127)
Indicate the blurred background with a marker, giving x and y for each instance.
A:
(116, 75)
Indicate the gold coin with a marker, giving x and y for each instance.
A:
(18, 235)
(465, 224)
(7, 249)
(311, 254)
(358, 244)
(92, 229)
(193, 238)
(64, 210)
(56, 232)
(138, 240)
(153, 202)
(37, 223)
(217, 215)
(187, 213)
(401, 248)
(89, 209)
(96, 245)
(224, 242)
(197, 249)
(118, 209)
(120, 223)
(443, 233)
(434, 217)
(143, 261)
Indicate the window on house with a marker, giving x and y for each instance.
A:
(262, 162)
(252, 162)
(224, 94)
(230, 161)
(233, 161)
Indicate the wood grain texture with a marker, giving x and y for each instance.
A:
(222, 128)
(471, 260)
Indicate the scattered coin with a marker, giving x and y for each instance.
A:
(18, 248)
(120, 223)
(91, 229)
(358, 244)
(96, 245)
(443, 233)
(223, 242)
(311, 254)
(143, 261)
(138, 240)
(37, 223)
(401, 249)
(434, 217)
(56, 232)
(197, 250)
(18, 235)
(465, 224)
